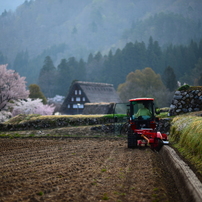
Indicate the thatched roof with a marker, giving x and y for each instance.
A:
(99, 92)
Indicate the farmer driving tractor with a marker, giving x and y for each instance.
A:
(143, 111)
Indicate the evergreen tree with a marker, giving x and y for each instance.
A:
(98, 56)
(90, 58)
(94, 67)
(64, 78)
(117, 66)
(190, 56)
(81, 70)
(169, 79)
(21, 63)
(73, 67)
(128, 54)
(107, 70)
(154, 55)
(117, 75)
(47, 78)
(140, 55)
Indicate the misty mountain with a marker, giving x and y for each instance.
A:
(76, 28)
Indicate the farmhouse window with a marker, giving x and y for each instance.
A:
(72, 99)
(79, 92)
(75, 92)
(76, 106)
(78, 99)
(68, 106)
(84, 99)
(81, 106)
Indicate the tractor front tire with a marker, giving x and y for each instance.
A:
(132, 140)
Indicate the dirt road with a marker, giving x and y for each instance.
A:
(81, 170)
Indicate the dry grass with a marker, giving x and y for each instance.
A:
(22, 118)
(186, 134)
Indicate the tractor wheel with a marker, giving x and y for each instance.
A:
(159, 144)
(132, 140)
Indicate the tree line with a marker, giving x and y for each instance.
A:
(136, 71)
(173, 63)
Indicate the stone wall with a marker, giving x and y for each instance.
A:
(164, 125)
(55, 123)
(185, 101)
(103, 124)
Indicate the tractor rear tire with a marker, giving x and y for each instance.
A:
(132, 140)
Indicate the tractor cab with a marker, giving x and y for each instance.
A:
(142, 113)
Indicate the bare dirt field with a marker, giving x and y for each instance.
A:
(81, 169)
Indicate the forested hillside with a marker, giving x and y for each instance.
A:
(102, 41)
(173, 63)
(86, 26)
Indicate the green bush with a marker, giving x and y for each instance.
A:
(184, 87)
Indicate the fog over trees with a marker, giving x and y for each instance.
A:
(53, 42)
(10, 5)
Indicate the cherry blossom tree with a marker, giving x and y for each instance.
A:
(4, 116)
(12, 87)
(30, 106)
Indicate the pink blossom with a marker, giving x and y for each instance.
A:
(12, 87)
(30, 106)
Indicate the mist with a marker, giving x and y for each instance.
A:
(75, 28)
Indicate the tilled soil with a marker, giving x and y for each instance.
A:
(85, 169)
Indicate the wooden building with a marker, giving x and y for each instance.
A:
(82, 92)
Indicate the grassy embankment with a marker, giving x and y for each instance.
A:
(56, 125)
(22, 118)
(186, 136)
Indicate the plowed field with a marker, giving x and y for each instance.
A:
(81, 170)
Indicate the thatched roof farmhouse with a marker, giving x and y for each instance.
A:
(82, 92)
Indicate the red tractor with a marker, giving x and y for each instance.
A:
(142, 125)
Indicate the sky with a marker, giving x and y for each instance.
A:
(10, 4)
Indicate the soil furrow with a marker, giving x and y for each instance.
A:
(81, 170)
